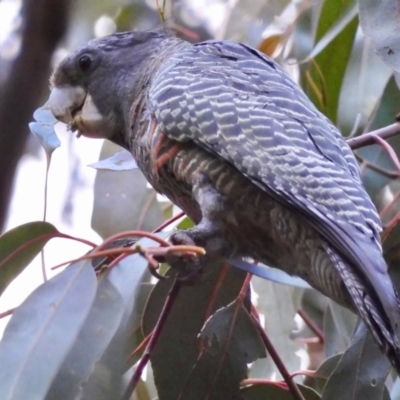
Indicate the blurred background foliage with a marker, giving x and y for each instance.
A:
(346, 56)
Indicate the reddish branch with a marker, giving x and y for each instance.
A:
(370, 138)
(7, 313)
(172, 295)
(294, 389)
(312, 325)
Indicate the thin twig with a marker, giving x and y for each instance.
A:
(294, 389)
(312, 325)
(169, 222)
(266, 382)
(172, 296)
(368, 138)
(389, 150)
(383, 171)
(7, 313)
(141, 346)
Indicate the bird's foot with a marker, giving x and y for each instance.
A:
(191, 267)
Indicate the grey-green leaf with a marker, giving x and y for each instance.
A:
(95, 336)
(361, 372)
(380, 23)
(19, 246)
(42, 330)
(121, 161)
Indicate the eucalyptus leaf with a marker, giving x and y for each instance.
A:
(19, 246)
(127, 277)
(380, 23)
(361, 372)
(276, 391)
(42, 330)
(121, 161)
(179, 346)
(94, 338)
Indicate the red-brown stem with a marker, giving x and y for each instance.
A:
(312, 325)
(368, 138)
(119, 251)
(7, 313)
(245, 288)
(172, 295)
(140, 347)
(307, 372)
(76, 239)
(383, 171)
(267, 382)
(169, 222)
(134, 233)
(215, 291)
(294, 389)
(389, 150)
(212, 300)
(46, 237)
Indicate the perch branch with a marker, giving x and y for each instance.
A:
(294, 389)
(368, 138)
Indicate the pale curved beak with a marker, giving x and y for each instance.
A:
(64, 100)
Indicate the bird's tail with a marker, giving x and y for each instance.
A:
(369, 308)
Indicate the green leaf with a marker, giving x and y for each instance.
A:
(324, 371)
(274, 391)
(339, 324)
(19, 246)
(362, 371)
(94, 338)
(269, 273)
(327, 70)
(380, 23)
(186, 223)
(179, 345)
(127, 277)
(42, 330)
(340, 24)
(278, 306)
(122, 200)
(236, 334)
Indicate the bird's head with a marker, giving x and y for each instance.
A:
(94, 87)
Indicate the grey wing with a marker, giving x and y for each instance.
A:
(241, 106)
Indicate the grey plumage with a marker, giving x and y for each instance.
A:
(224, 132)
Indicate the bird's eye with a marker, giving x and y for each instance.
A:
(85, 63)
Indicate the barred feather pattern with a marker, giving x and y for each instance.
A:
(285, 186)
(262, 142)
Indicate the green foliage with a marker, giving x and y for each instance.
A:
(79, 334)
(328, 67)
(19, 246)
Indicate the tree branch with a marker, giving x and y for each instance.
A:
(45, 22)
(155, 335)
(294, 389)
(368, 138)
